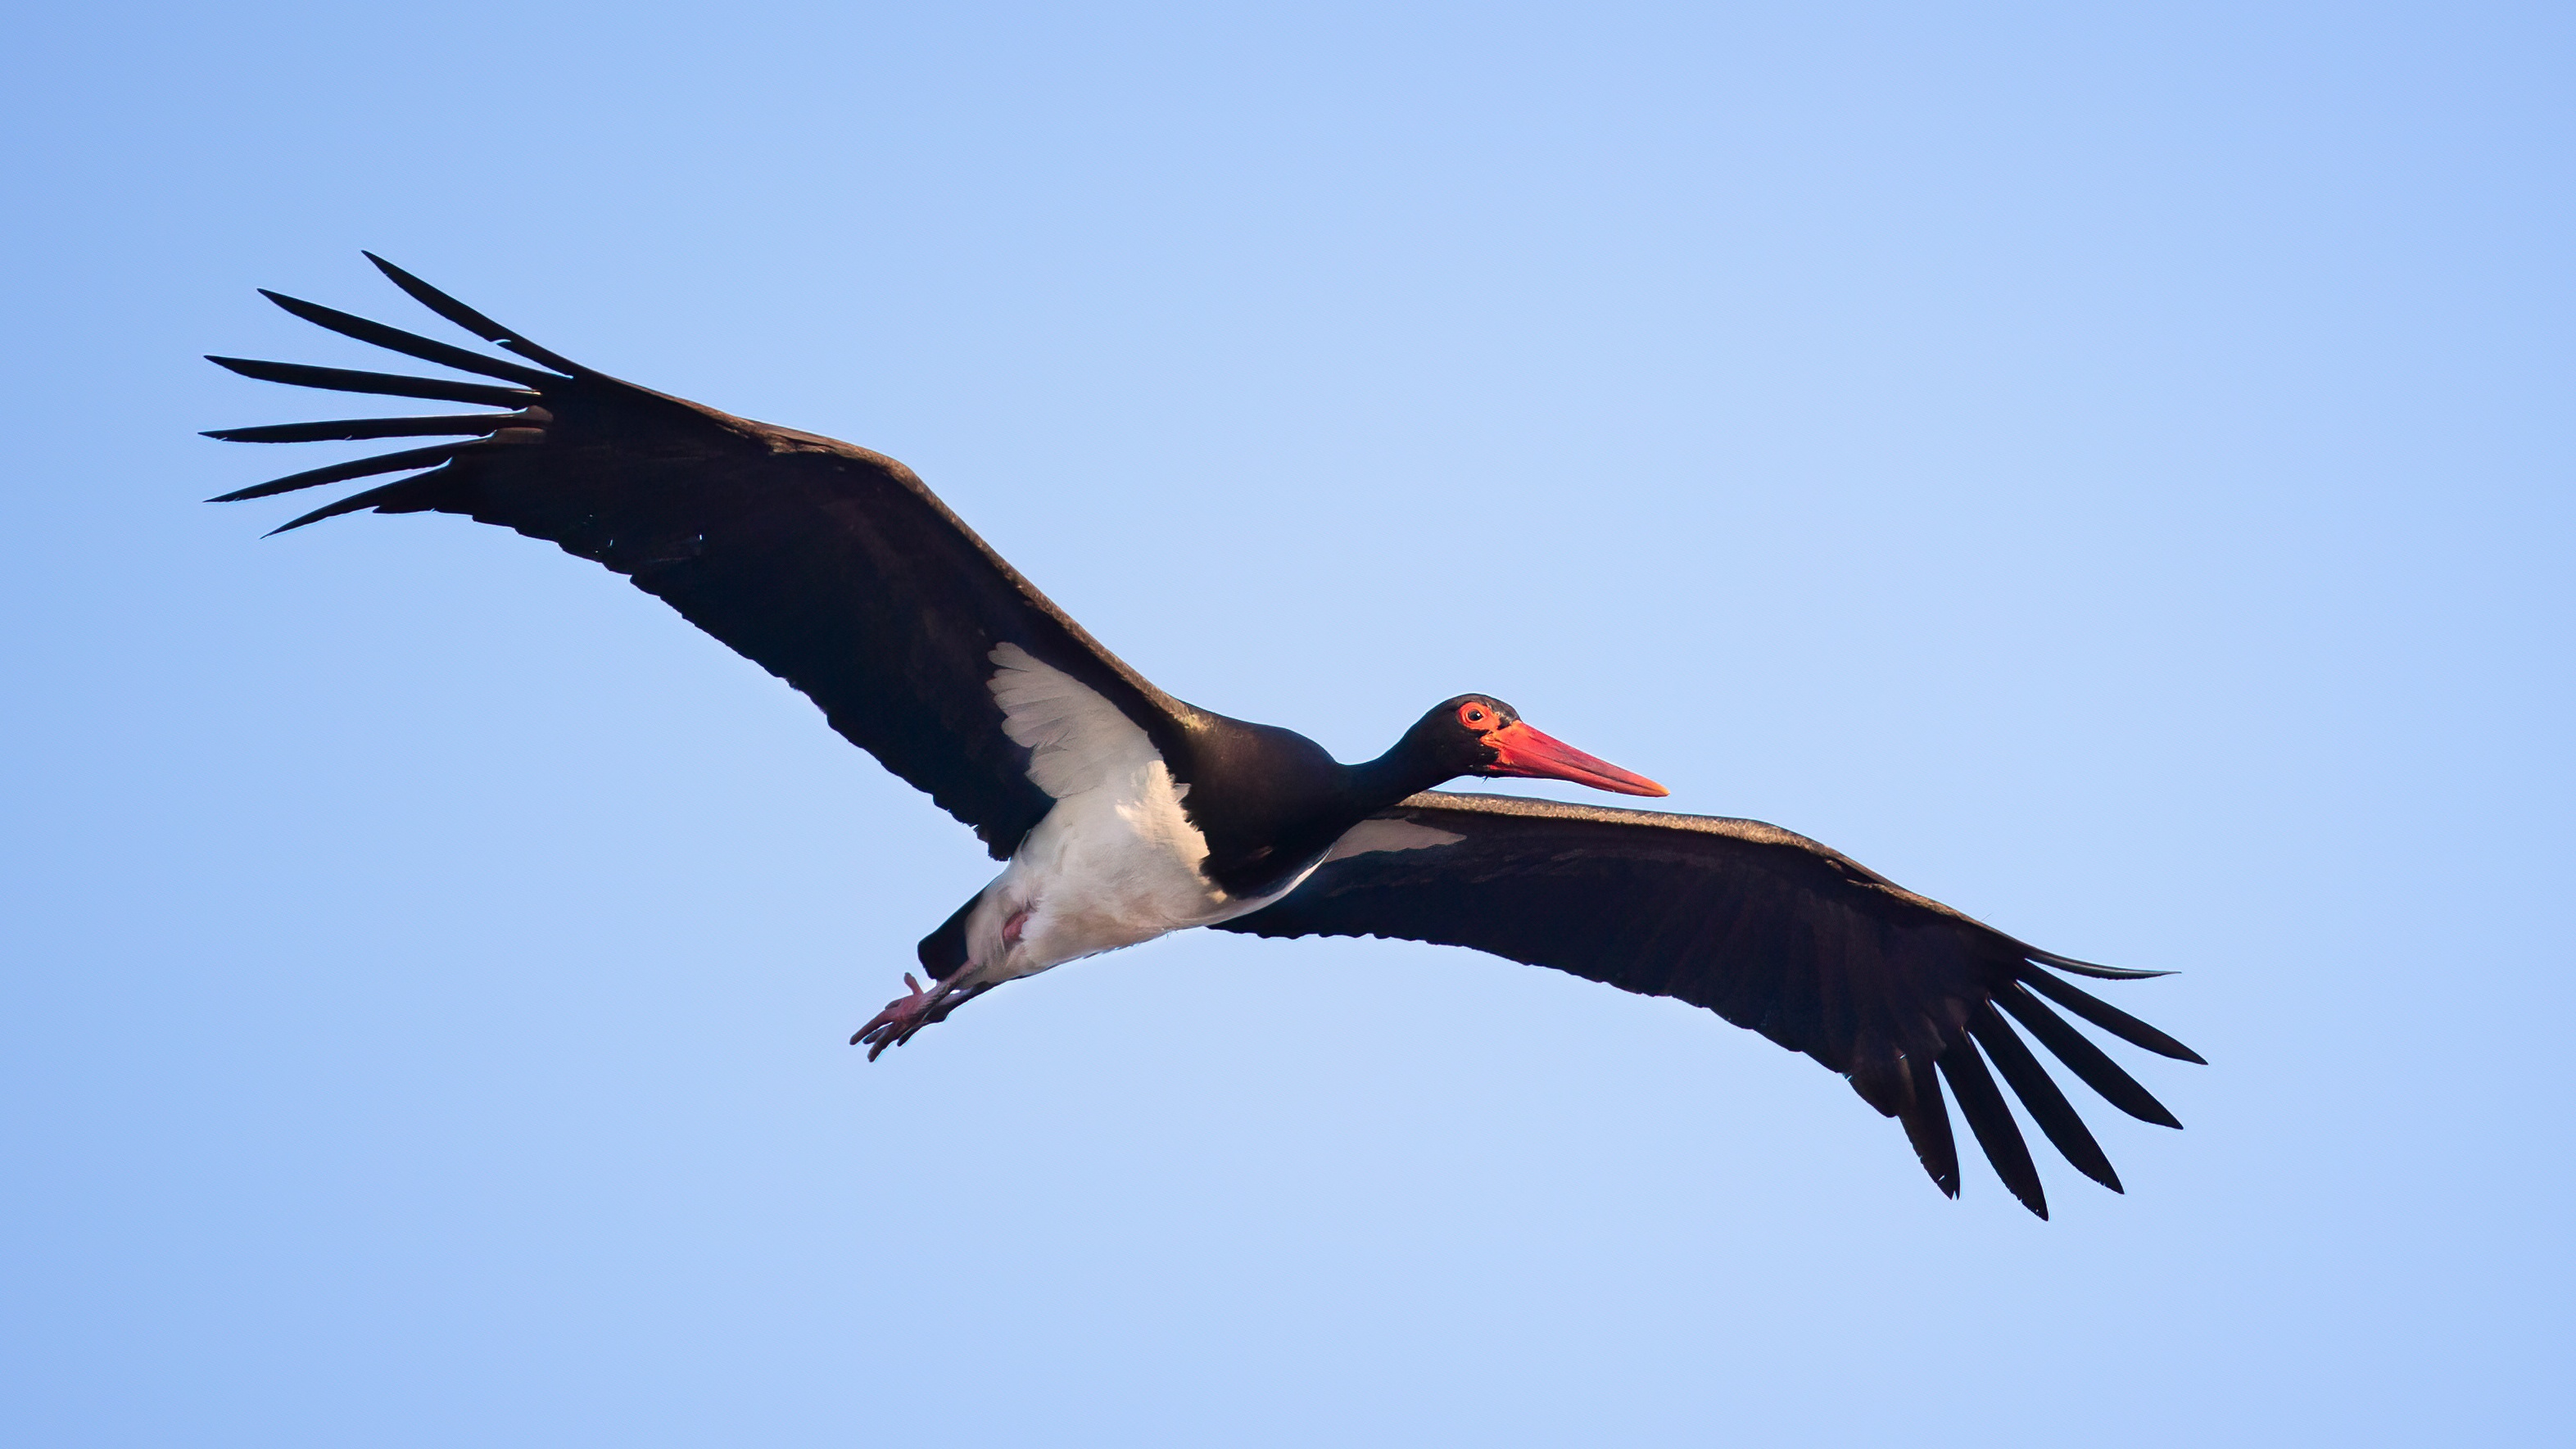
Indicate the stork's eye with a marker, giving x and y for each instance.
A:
(1476, 717)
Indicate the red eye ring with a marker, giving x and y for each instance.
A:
(1475, 716)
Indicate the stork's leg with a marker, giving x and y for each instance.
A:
(906, 1015)
(902, 1017)
(948, 957)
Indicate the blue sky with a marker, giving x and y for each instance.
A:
(2105, 467)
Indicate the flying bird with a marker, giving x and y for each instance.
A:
(1123, 814)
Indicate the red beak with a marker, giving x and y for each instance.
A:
(1520, 750)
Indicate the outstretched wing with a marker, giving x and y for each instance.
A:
(830, 566)
(1764, 927)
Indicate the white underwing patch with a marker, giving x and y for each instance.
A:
(1370, 835)
(1076, 739)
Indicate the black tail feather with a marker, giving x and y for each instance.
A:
(2040, 1097)
(471, 320)
(2108, 1017)
(1982, 1103)
(2084, 1059)
(945, 950)
(394, 339)
(341, 379)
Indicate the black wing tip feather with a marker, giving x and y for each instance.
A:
(381, 495)
(2106, 1016)
(2088, 1062)
(2040, 1098)
(410, 344)
(1926, 1119)
(522, 400)
(408, 458)
(1990, 1119)
(456, 425)
(473, 321)
(1990, 1038)
(2093, 969)
(390, 384)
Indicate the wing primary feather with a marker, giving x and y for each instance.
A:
(1927, 1126)
(2092, 968)
(2108, 1017)
(410, 344)
(1982, 1102)
(2084, 1059)
(342, 472)
(341, 379)
(473, 321)
(345, 429)
(381, 494)
(2040, 1097)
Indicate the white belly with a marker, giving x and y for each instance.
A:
(1115, 862)
(1112, 866)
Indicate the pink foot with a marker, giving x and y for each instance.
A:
(902, 1017)
(906, 1015)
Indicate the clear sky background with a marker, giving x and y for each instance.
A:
(2106, 467)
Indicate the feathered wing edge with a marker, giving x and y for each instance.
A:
(1990, 1040)
(1987, 1048)
(594, 426)
(523, 421)
(1988, 1037)
(1981, 1045)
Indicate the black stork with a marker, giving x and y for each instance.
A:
(1124, 813)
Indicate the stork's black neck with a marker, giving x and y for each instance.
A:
(1270, 800)
(1406, 769)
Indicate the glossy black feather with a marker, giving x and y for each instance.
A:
(2095, 968)
(389, 384)
(452, 425)
(343, 472)
(393, 497)
(2040, 1096)
(410, 344)
(471, 320)
(2084, 1059)
(1982, 1103)
(2108, 1017)
(1927, 1127)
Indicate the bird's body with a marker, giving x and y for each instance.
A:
(1128, 852)
(1116, 861)
(1123, 814)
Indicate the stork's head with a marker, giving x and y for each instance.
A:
(1477, 734)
